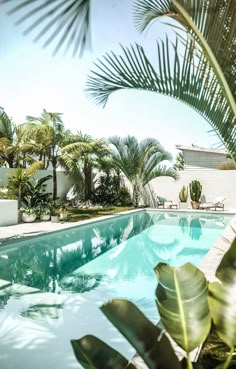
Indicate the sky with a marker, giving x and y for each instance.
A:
(32, 79)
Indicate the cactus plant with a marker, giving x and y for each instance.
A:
(195, 189)
(183, 195)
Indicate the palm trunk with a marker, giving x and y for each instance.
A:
(88, 180)
(54, 180)
(136, 196)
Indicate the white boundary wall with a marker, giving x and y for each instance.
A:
(8, 212)
(63, 182)
(214, 183)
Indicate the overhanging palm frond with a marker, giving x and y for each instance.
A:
(212, 23)
(160, 171)
(189, 79)
(64, 21)
(7, 127)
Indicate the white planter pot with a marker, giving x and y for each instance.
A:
(183, 205)
(28, 218)
(45, 217)
(54, 219)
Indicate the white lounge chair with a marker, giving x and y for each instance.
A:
(214, 205)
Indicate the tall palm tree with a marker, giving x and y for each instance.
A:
(140, 162)
(14, 149)
(85, 152)
(47, 134)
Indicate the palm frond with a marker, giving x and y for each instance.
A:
(160, 171)
(146, 11)
(189, 79)
(211, 22)
(7, 127)
(65, 22)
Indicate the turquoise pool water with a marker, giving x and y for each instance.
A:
(51, 286)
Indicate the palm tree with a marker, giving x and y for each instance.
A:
(47, 134)
(14, 149)
(201, 72)
(179, 161)
(198, 68)
(140, 162)
(85, 152)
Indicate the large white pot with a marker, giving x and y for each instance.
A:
(28, 218)
(45, 217)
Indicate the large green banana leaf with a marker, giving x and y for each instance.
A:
(182, 304)
(148, 340)
(228, 260)
(222, 302)
(93, 353)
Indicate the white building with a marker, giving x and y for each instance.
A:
(202, 158)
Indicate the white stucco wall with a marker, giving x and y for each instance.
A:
(8, 212)
(63, 182)
(214, 183)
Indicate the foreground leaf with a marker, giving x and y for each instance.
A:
(183, 305)
(148, 340)
(228, 260)
(222, 302)
(93, 353)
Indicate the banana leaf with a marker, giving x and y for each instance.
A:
(183, 305)
(92, 353)
(222, 303)
(228, 260)
(149, 341)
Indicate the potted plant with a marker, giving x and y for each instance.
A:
(183, 197)
(195, 189)
(54, 211)
(28, 215)
(44, 214)
(63, 214)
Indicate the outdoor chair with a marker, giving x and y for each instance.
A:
(163, 203)
(214, 205)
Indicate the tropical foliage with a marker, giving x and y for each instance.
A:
(35, 193)
(198, 68)
(19, 179)
(140, 162)
(179, 161)
(14, 149)
(186, 304)
(87, 154)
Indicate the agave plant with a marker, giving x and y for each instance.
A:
(186, 305)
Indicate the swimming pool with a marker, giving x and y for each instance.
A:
(51, 286)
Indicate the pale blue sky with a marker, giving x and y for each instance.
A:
(31, 79)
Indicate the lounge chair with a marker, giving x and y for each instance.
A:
(161, 201)
(214, 205)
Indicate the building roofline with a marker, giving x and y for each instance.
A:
(201, 149)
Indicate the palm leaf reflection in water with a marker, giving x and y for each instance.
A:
(118, 254)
